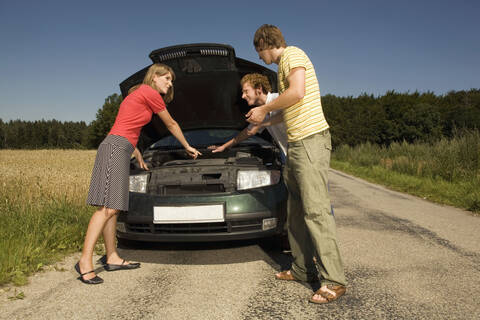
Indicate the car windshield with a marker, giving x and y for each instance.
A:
(206, 137)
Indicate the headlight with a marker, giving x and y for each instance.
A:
(248, 179)
(138, 183)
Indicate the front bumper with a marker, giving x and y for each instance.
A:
(245, 216)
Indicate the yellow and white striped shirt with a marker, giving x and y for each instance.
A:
(306, 116)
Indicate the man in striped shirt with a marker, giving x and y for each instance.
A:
(310, 223)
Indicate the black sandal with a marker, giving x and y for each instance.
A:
(115, 267)
(102, 260)
(95, 280)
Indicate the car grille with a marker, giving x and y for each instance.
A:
(196, 228)
(192, 189)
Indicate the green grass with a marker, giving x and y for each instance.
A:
(38, 236)
(446, 172)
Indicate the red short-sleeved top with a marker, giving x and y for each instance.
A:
(136, 111)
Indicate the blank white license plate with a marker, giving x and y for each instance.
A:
(189, 214)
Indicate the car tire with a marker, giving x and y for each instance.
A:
(277, 243)
(283, 242)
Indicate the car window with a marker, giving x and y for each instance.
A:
(205, 138)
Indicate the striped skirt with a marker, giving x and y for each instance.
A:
(110, 177)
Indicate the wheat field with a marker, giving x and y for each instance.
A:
(36, 177)
(42, 208)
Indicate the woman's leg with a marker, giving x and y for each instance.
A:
(109, 235)
(95, 228)
(109, 232)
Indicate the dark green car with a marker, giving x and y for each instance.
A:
(232, 195)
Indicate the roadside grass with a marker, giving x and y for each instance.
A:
(42, 208)
(446, 172)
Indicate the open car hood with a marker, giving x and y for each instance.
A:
(207, 88)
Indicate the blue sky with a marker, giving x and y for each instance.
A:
(61, 59)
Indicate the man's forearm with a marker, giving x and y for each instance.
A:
(285, 100)
(243, 135)
(229, 143)
(294, 93)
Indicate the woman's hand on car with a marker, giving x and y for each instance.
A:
(138, 155)
(192, 152)
(143, 165)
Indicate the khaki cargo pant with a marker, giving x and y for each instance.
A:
(310, 223)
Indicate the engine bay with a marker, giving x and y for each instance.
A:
(172, 172)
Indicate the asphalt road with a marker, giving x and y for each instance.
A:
(405, 258)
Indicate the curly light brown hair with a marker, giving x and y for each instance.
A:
(257, 81)
(159, 69)
(268, 37)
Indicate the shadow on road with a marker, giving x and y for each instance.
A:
(208, 253)
(224, 252)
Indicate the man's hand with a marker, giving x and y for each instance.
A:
(217, 148)
(256, 115)
(192, 152)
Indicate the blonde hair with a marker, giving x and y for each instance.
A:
(135, 87)
(257, 81)
(268, 37)
(159, 69)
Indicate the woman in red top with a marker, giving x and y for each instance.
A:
(110, 177)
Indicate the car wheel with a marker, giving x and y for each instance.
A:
(283, 242)
(277, 243)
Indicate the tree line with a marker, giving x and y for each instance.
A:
(18, 134)
(393, 117)
(398, 117)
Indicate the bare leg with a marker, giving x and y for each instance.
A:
(109, 232)
(95, 228)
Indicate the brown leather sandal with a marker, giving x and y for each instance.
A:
(286, 275)
(339, 291)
